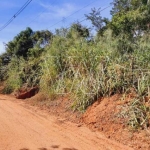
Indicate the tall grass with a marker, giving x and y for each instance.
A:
(22, 72)
(89, 69)
(13, 81)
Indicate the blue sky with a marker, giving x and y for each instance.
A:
(44, 14)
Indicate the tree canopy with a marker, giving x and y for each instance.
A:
(26, 40)
(130, 16)
(98, 22)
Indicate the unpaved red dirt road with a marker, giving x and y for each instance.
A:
(23, 128)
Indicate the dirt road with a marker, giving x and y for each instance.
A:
(24, 129)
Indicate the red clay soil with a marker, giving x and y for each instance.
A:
(26, 93)
(59, 107)
(23, 127)
(102, 116)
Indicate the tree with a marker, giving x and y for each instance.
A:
(127, 5)
(42, 38)
(78, 29)
(120, 5)
(4, 58)
(62, 32)
(99, 23)
(27, 40)
(95, 18)
(21, 43)
(130, 17)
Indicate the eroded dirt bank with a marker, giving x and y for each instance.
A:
(31, 129)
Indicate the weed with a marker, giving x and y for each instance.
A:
(137, 114)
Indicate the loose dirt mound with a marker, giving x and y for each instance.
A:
(26, 93)
(103, 116)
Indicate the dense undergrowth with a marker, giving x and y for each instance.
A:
(89, 69)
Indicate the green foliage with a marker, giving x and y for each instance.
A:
(4, 60)
(137, 114)
(22, 72)
(31, 72)
(21, 43)
(78, 30)
(41, 38)
(26, 40)
(130, 17)
(99, 23)
(20, 64)
(62, 32)
(13, 81)
(95, 18)
(35, 52)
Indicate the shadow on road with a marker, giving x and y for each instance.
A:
(69, 149)
(38, 148)
(55, 146)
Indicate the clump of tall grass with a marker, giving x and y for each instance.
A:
(137, 114)
(13, 81)
(22, 72)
